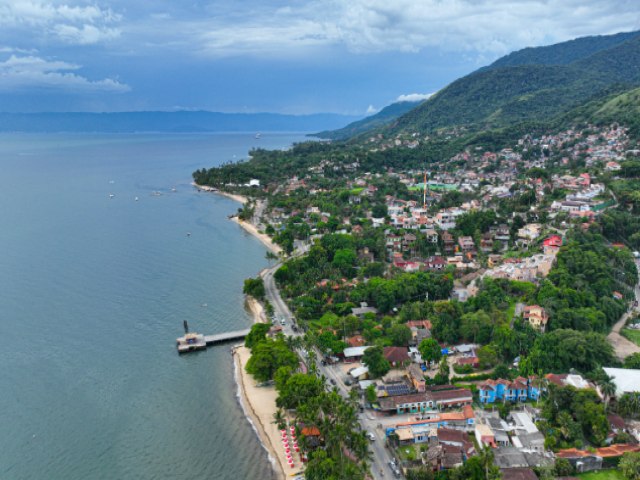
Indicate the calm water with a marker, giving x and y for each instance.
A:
(93, 292)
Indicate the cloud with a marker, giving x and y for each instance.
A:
(82, 25)
(492, 27)
(29, 72)
(413, 97)
(371, 110)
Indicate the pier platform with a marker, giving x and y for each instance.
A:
(192, 342)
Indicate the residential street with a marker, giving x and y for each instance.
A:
(621, 345)
(381, 456)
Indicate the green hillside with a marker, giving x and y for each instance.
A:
(562, 53)
(384, 117)
(501, 96)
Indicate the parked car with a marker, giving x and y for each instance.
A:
(371, 436)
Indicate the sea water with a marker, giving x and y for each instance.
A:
(94, 288)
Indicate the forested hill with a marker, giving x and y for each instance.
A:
(520, 91)
(385, 116)
(180, 121)
(562, 53)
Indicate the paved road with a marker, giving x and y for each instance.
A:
(381, 456)
(623, 347)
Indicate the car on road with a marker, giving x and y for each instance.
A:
(394, 468)
(333, 382)
(371, 436)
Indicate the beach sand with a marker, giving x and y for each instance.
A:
(263, 237)
(259, 404)
(256, 309)
(205, 188)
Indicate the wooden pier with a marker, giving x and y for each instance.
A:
(192, 342)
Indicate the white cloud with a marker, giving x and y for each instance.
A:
(413, 97)
(371, 110)
(82, 25)
(27, 72)
(491, 27)
(86, 35)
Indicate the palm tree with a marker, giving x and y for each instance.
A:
(279, 418)
(607, 388)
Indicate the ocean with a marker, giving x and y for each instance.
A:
(93, 293)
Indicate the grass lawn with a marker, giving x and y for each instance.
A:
(602, 475)
(409, 452)
(633, 335)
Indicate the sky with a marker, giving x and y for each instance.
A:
(299, 57)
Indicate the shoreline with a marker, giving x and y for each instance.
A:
(248, 227)
(255, 402)
(265, 239)
(233, 196)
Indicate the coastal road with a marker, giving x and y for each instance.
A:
(381, 456)
(622, 346)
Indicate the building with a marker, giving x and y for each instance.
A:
(397, 356)
(519, 390)
(354, 354)
(536, 316)
(626, 380)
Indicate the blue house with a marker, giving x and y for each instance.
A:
(519, 390)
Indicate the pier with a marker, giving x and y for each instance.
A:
(192, 342)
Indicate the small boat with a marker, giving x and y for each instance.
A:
(111, 195)
(137, 199)
(258, 135)
(173, 189)
(156, 194)
(188, 234)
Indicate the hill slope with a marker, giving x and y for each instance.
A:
(562, 53)
(385, 116)
(504, 95)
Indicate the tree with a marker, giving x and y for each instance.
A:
(267, 357)
(420, 473)
(563, 467)
(400, 335)
(254, 287)
(374, 359)
(298, 389)
(257, 334)
(487, 356)
(630, 465)
(370, 394)
(344, 260)
(430, 350)
(632, 361)
(608, 389)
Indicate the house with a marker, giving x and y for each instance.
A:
(311, 435)
(446, 396)
(552, 244)
(569, 379)
(363, 309)
(354, 354)
(431, 235)
(356, 341)
(436, 263)
(448, 242)
(529, 233)
(581, 461)
(486, 243)
(536, 316)
(518, 390)
(485, 436)
(466, 244)
(518, 474)
(474, 361)
(627, 380)
(397, 356)
(416, 377)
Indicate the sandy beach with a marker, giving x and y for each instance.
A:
(256, 309)
(205, 188)
(259, 404)
(263, 237)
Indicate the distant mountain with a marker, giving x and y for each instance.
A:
(532, 85)
(181, 121)
(384, 117)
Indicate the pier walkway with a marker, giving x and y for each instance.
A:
(191, 342)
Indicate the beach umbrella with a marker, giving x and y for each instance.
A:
(287, 450)
(283, 431)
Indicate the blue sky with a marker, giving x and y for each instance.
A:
(344, 56)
